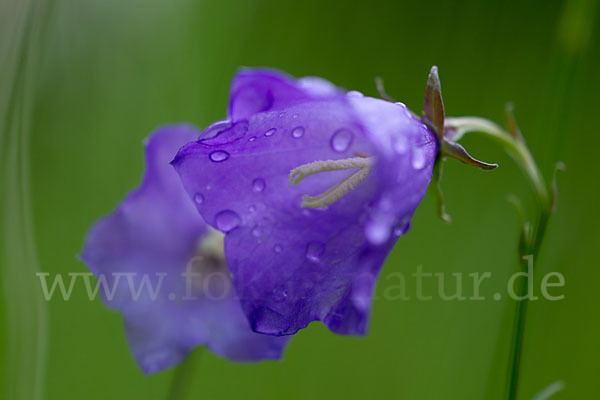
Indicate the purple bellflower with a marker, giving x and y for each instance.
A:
(312, 187)
(157, 233)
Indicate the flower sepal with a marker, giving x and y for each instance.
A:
(434, 116)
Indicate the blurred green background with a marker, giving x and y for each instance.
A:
(83, 82)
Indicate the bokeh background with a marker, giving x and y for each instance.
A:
(83, 82)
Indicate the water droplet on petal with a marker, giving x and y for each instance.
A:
(341, 140)
(361, 302)
(400, 144)
(252, 138)
(215, 129)
(219, 156)
(377, 233)
(295, 116)
(277, 248)
(405, 110)
(402, 230)
(227, 220)
(314, 250)
(198, 198)
(418, 158)
(252, 209)
(386, 203)
(256, 232)
(258, 185)
(298, 132)
(270, 132)
(354, 93)
(224, 132)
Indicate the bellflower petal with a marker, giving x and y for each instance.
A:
(155, 232)
(293, 265)
(257, 91)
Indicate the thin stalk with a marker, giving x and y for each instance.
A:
(513, 146)
(517, 344)
(182, 378)
(522, 305)
(517, 149)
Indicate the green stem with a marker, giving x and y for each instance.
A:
(182, 378)
(522, 305)
(513, 146)
(517, 149)
(517, 344)
(533, 249)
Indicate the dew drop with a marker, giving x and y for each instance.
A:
(405, 110)
(341, 140)
(361, 302)
(252, 209)
(298, 132)
(227, 220)
(418, 158)
(219, 156)
(386, 203)
(215, 129)
(401, 230)
(252, 138)
(270, 132)
(224, 132)
(314, 251)
(258, 185)
(277, 248)
(295, 116)
(198, 198)
(400, 145)
(377, 233)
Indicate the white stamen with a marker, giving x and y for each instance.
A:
(340, 189)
